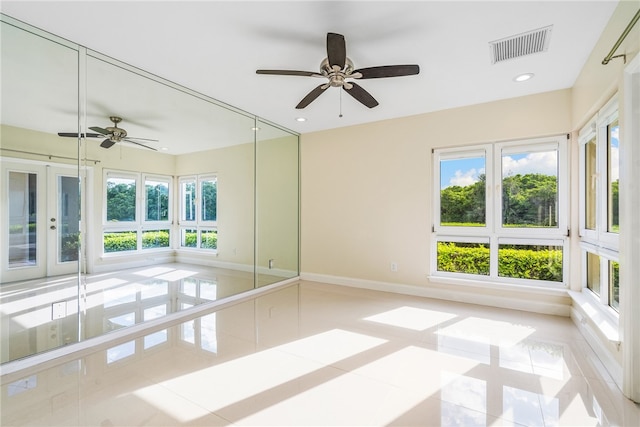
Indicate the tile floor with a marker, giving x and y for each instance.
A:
(323, 355)
(112, 301)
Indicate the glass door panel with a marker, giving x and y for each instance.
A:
(63, 221)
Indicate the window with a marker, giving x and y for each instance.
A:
(137, 212)
(500, 214)
(199, 212)
(599, 205)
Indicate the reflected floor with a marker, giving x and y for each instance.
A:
(40, 315)
(316, 354)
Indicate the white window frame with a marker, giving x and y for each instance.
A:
(493, 233)
(140, 225)
(199, 224)
(600, 241)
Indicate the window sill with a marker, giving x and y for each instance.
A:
(544, 289)
(601, 317)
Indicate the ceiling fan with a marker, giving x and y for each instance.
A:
(337, 68)
(113, 134)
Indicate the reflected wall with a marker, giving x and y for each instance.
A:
(195, 185)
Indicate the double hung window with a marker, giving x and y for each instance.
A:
(199, 212)
(137, 212)
(500, 212)
(599, 206)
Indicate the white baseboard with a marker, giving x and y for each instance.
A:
(525, 300)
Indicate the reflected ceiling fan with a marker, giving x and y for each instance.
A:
(113, 134)
(337, 68)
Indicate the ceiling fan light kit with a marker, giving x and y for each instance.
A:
(337, 68)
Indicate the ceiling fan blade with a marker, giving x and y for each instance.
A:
(141, 145)
(289, 73)
(336, 50)
(388, 71)
(75, 135)
(100, 130)
(361, 95)
(311, 96)
(141, 139)
(107, 143)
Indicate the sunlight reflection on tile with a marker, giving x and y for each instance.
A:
(177, 275)
(301, 356)
(464, 391)
(523, 407)
(331, 346)
(417, 319)
(487, 331)
(154, 271)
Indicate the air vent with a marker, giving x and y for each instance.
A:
(520, 45)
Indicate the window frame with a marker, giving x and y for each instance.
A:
(493, 233)
(199, 225)
(140, 225)
(600, 241)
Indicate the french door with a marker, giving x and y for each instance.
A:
(40, 220)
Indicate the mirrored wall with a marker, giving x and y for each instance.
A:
(126, 197)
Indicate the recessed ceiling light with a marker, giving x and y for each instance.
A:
(164, 149)
(301, 119)
(255, 129)
(523, 77)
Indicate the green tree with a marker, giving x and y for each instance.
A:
(121, 201)
(157, 202)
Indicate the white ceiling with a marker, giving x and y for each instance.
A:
(214, 47)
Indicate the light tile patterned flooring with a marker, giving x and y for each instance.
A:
(323, 355)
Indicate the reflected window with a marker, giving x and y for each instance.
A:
(121, 351)
(208, 334)
(135, 222)
(121, 199)
(199, 212)
(156, 200)
(22, 219)
(22, 385)
(155, 339)
(155, 312)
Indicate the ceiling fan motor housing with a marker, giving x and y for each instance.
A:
(337, 77)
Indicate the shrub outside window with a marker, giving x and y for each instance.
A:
(499, 212)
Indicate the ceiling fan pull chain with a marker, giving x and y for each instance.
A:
(340, 92)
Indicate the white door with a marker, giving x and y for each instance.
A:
(39, 220)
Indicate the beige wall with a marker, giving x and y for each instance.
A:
(366, 190)
(234, 167)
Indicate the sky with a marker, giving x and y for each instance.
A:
(465, 171)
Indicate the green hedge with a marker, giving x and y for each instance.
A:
(128, 241)
(463, 258)
(122, 241)
(512, 262)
